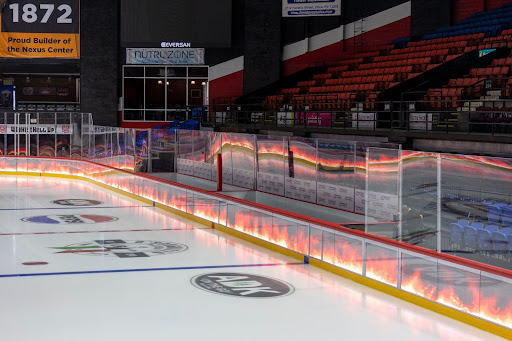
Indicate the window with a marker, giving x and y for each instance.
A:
(163, 93)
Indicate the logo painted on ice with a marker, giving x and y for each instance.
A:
(122, 248)
(77, 202)
(70, 219)
(242, 285)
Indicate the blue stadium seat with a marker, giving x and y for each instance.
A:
(494, 213)
(500, 243)
(506, 216)
(477, 225)
(506, 230)
(463, 222)
(484, 238)
(457, 235)
(492, 228)
(470, 237)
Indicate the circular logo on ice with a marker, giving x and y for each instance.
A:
(242, 285)
(77, 202)
(69, 219)
(122, 248)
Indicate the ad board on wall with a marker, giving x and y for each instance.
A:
(40, 29)
(165, 56)
(311, 8)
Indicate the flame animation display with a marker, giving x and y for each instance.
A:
(471, 291)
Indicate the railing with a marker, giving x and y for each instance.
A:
(446, 116)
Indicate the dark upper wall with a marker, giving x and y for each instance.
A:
(99, 60)
(218, 55)
(262, 53)
(428, 16)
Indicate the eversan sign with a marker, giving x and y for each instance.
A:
(165, 56)
(242, 285)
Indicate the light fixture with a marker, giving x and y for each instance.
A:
(192, 82)
(27, 79)
(49, 79)
(167, 82)
(159, 82)
(203, 83)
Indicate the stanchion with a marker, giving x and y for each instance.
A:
(219, 172)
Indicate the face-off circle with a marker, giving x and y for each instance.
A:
(242, 285)
(122, 248)
(77, 202)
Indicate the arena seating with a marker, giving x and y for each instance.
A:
(360, 77)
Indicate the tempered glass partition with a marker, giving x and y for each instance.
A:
(420, 204)
(383, 192)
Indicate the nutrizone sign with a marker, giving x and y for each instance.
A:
(165, 56)
(311, 8)
(242, 285)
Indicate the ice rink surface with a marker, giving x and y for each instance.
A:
(79, 262)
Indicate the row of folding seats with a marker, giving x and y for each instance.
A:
(411, 55)
(496, 71)
(469, 38)
(322, 76)
(306, 83)
(487, 46)
(374, 72)
(500, 212)
(463, 82)
(291, 91)
(475, 24)
(365, 79)
(343, 88)
(456, 47)
(489, 30)
(476, 237)
(337, 69)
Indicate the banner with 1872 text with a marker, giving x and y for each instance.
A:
(40, 29)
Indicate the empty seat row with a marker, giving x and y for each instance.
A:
(476, 237)
(374, 72)
(365, 79)
(411, 55)
(343, 88)
(469, 38)
(500, 212)
(490, 71)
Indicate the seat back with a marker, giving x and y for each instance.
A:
(500, 243)
(492, 228)
(457, 234)
(484, 240)
(506, 216)
(470, 237)
(493, 214)
(477, 225)
(463, 222)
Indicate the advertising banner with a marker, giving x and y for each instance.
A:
(34, 129)
(165, 56)
(313, 119)
(7, 96)
(40, 29)
(311, 8)
(420, 121)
